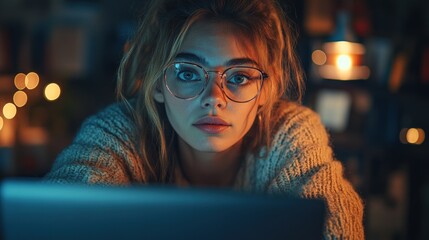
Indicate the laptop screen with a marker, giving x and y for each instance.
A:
(37, 210)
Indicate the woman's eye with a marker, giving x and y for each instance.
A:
(238, 79)
(188, 76)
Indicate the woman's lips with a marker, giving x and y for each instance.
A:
(211, 125)
(211, 128)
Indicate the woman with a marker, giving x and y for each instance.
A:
(209, 95)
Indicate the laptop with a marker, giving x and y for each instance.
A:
(39, 210)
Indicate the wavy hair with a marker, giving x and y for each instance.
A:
(158, 38)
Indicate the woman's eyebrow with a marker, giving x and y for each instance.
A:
(192, 57)
(198, 59)
(241, 61)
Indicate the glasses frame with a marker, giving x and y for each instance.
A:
(221, 74)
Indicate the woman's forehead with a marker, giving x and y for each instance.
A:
(218, 43)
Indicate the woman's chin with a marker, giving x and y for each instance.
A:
(210, 147)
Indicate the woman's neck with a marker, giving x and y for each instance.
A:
(209, 168)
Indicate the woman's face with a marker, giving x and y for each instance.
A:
(211, 122)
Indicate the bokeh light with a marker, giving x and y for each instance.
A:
(318, 57)
(20, 81)
(415, 136)
(52, 91)
(412, 136)
(20, 98)
(9, 110)
(344, 62)
(1, 123)
(31, 80)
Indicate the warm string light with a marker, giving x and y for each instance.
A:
(52, 91)
(31, 80)
(20, 98)
(28, 81)
(9, 110)
(20, 81)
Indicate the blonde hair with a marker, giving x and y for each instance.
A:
(157, 40)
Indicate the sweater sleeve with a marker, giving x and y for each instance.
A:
(103, 152)
(306, 168)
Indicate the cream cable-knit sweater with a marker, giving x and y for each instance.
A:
(300, 162)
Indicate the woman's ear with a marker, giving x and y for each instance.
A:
(158, 95)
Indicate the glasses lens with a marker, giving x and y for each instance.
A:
(185, 80)
(242, 83)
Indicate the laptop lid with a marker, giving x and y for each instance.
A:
(37, 210)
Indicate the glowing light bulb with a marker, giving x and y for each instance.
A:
(19, 81)
(52, 91)
(344, 62)
(20, 98)
(1, 123)
(318, 57)
(9, 111)
(31, 80)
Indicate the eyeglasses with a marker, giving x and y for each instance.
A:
(187, 80)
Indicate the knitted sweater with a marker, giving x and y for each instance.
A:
(300, 163)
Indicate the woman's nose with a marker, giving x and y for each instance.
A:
(213, 95)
